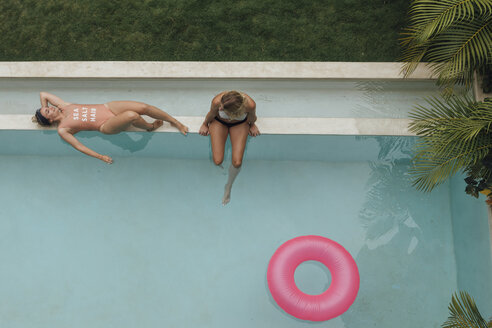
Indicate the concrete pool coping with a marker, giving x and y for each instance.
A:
(170, 70)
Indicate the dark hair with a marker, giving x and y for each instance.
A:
(41, 119)
(231, 101)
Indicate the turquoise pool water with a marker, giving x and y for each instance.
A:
(146, 242)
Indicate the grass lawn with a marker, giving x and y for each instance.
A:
(201, 30)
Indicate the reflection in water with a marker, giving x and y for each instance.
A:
(374, 100)
(393, 260)
(385, 210)
(390, 99)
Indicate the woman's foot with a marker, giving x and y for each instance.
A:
(227, 194)
(157, 124)
(182, 128)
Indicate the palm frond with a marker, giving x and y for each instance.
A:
(455, 135)
(459, 113)
(464, 313)
(431, 171)
(454, 33)
(457, 52)
(429, 18)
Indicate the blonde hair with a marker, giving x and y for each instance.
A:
(233, 103)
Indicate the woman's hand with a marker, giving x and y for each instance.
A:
(253, 130)
(68, 136)
(204, 130)
(106, 159)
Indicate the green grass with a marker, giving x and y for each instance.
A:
(201, 30)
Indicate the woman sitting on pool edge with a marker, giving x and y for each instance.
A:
(110, 118)
(231, 113)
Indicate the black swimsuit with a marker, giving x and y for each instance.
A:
(229, 124)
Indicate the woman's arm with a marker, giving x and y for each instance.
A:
(46, 98)
(253, 129)
(69, 137)
(214, 111)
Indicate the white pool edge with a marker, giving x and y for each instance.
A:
(210, 70)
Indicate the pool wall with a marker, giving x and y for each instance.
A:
(471, 244)
(471, 232)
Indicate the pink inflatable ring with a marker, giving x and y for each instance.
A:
(327, 305)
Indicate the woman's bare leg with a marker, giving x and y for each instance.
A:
(118, 107)
(218, 137)
(121, 122)
(239, 136)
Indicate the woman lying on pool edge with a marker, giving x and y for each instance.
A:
(109, 118)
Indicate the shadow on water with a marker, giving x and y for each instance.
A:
(401, 263)
(167, 145)
(374, 99)
(131, 142)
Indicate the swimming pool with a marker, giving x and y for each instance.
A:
(146, 240)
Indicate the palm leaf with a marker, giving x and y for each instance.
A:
(455, 135)
(431, 171)
(464, 313)
(458, 51)
(454, 33)
(431, 17)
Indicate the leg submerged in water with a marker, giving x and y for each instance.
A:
(233, 172)
(239, 136)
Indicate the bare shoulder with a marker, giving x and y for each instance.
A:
(217, 98)
(251, 104)
(62, 131)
